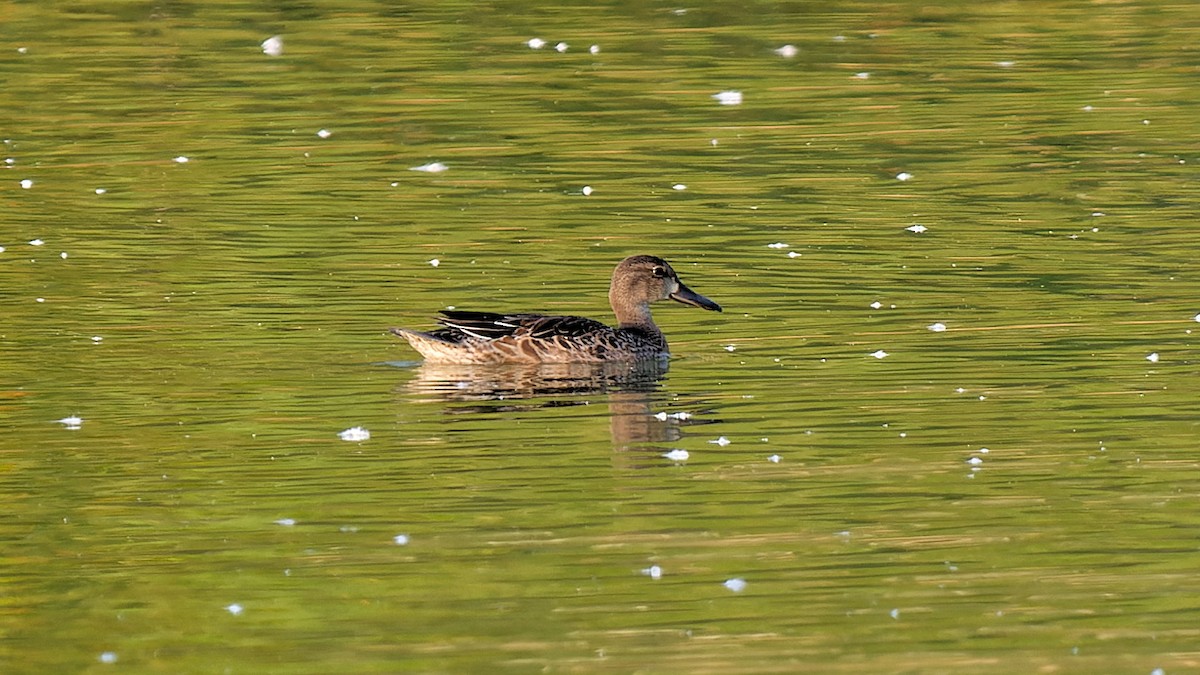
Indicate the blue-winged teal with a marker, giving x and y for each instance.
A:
(486, 337)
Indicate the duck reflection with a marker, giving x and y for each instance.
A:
(630, 389)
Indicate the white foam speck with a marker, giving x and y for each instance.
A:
(432, 167)
(273, 46)
(324, 133)
(895, 614)
(774, 459)
(536, 43)
(736, 585)
(862, 76)
(917, 228)
(101, 191)
(653, 571)
(903, 176)
(594, 49)
(1152, 357)
(880, 354)
(561, 47)
(400, 540)
(72, 422)
(26, 184)
(107, 657)
(975, 461)
(435, 262)
(730, 348)
(728, 97)
(876, 305)
(1006, 64)
(36, 242)
(234, 609)
(587, 190)
(787, 51)
(286, 522)
(778, 244)
(97, 338)
(677, 455)
(793, 254)
(354, 434)
(63, 255)
(679, 186)
(722, 441)
(938, 327)
(182, 159)
(1087, 108)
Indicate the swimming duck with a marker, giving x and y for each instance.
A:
(491, 338)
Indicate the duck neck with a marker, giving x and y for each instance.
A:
(633, 316)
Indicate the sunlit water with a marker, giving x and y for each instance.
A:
(967, 446)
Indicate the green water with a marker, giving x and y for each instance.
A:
(217, 322)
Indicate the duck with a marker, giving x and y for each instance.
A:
(493, 338)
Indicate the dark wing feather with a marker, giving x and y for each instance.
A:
(460, 325)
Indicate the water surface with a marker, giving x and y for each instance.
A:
(1014, 493)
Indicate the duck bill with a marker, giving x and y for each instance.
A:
(689, 297)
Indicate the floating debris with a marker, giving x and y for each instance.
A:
(880, 354)
(679, 186)
(435, 262)
(1006, 64)
(324, 133)
(876, 305)
(938, 327)
(234, 609)
(722, 441)
(587, 191)
(1152, 357)
(594, 49)
(681, 415)
(286, 522)
(787, 51)
(774, 459)
(400, 540)
(1197, 317)
(26, 184)
(432, 167)
(354, 434)
(903, 176)
(97, 339)
(73, 422)
(728, 97)
(182, 159)
(793, 254)
(677, 455)
(653, 571)
(36, 242)
(1087, 108)
(273, 46)
(895, 613)
(917, 228)
(730, 348)
(101, 191)
(107, 657)
(736, 585)
(561, 47)
(974, 461)
(63, 255)
(862, 76)
(778, 244)
(536, 43)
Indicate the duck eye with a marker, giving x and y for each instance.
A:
(660, 272)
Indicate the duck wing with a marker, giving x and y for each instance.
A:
(461, 325)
